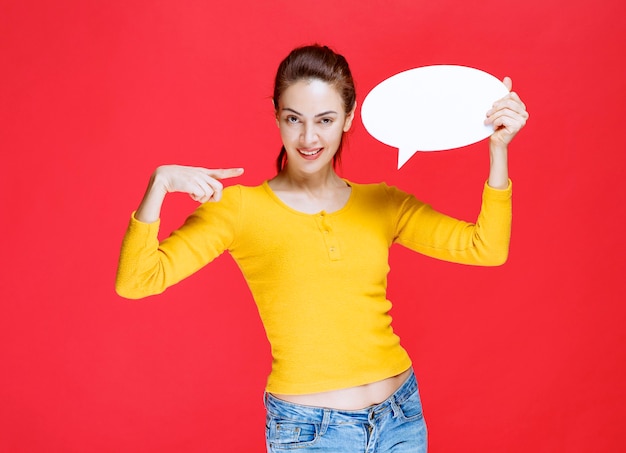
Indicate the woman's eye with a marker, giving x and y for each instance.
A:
(326, 121)
(292, 119)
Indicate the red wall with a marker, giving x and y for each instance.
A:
(94, 95)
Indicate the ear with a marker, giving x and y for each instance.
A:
(348, 123)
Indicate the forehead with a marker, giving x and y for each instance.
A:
(311, 96)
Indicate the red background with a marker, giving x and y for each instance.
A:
(94, 95)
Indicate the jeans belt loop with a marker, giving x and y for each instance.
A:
(397, 412)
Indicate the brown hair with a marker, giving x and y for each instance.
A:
(315, 62)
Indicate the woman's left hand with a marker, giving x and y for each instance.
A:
(508, 115)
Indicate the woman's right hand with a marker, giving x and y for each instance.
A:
(202, 185)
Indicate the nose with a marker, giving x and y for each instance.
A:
(309, 135)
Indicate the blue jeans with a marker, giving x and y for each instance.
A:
(394, 426)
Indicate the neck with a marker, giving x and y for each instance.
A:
(311, 193)
(320, 181)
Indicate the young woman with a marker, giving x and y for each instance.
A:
(313, 248)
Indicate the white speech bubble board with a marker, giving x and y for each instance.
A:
(432, 108)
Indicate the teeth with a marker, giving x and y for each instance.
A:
(310, 153)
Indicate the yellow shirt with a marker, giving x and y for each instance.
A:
(319, 280)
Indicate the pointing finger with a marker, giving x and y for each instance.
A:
(223, 173)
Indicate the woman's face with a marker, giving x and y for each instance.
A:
(312, 120)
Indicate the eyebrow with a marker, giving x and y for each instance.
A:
(316, 116)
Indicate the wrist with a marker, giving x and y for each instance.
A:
(149, 209)
(497, 148)
(158, 182)
(499, 166)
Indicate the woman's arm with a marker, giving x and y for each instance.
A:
(423, 229)
(201, 184)
(147, 266)
(508, 115)
(485, 242)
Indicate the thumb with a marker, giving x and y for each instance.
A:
(224, 173)
(508, 83)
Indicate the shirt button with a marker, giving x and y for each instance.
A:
(332, 249)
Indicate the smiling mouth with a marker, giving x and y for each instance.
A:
(310, 153)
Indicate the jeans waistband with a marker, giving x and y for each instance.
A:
(312, 414)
